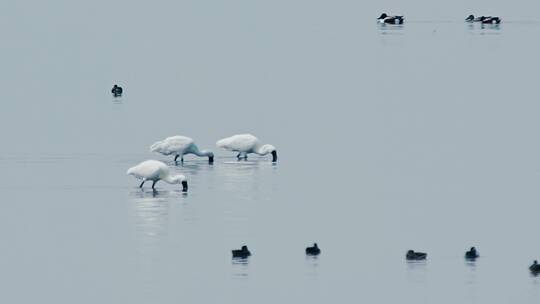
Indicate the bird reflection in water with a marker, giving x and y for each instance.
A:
(471, 279)
(417, 271)
(240, 268)
(150, 221)
(312, 262)
(484, 29)
(390, 29)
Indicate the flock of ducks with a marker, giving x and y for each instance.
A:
(244, 253)
(411, 255)
(471, 255)
(386, 19)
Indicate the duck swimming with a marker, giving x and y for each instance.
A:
(117, 91)
(471, 254)
(384, 18)
(484, 19)
(314, 250)
(415, 256)
(241, 253)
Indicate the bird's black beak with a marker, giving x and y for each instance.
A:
(184, 186)
(210, 159)
(274, 156)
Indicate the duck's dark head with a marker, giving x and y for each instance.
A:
(184, 186)
(473, 249)
(535, 262)
(470, 18)
(274, 156)
(244, 248)
(315, 245)
(383, 15)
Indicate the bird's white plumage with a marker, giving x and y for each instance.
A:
(245, 144)
(239, 143)
(149, 170)
(153, 170)
(178, 145)
(173, 145)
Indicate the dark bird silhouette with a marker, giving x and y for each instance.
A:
(314, 250)
(471, 254)
(117, 91)
(415, 256)
(535, 267)
(241, 253)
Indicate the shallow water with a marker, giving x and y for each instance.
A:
(421, 136)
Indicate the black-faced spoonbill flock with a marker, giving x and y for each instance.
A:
(153, 170)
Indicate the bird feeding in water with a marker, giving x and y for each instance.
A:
(153, 170)
(180, 146)
(245, 144)
(117, 91)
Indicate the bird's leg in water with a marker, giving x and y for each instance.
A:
(238, 156)
(182, 159)
(142, 184)
(175, 158)
(153, 184)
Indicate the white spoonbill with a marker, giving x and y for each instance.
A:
(155, 171)
(180, 146)
(245, 144)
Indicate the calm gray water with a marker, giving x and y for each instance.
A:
(390, 138)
